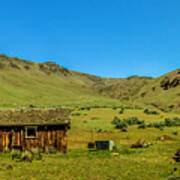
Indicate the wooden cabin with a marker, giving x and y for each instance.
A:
(34, 129)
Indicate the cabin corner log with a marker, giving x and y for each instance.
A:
(42, 130)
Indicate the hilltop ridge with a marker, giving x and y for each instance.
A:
(25, 82)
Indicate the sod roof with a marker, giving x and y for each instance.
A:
(44, 116)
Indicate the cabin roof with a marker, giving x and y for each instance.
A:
(35, 116)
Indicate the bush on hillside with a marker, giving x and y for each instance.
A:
(124, 129)
(124, 123)
(27, 67)
(76, 114)
(133, 121)
(115, 120)
(161, 128)
(121, 111)
(156, 125)
(94, 118)
(175, 133)
(121, 124)
(84, 108)
(13, 65)
(147, 111)
(142, 125)
(168, 122)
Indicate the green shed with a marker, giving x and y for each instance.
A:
(105, 145)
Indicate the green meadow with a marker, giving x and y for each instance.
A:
(124, 162)
(95, 102)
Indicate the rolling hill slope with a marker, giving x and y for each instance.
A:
(45, 84)
(24, 83)
(162, 92)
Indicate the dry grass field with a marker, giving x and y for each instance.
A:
(154, 162)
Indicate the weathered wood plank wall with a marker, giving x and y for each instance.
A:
(46, 138)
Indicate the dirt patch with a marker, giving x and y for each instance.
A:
(165, 138)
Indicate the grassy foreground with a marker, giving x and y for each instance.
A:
(154, 162)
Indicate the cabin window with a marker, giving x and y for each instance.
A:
(31, 131)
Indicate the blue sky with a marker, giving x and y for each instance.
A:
(110, 38)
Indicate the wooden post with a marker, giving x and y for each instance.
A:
(18, 138)
(22, 139)
(37, 138)
(0, 140)
(58, 140)
(49, 137)
(64, 141)
(13, 137)
(53, 137)
(7, 141)
(42, 139)
(46, 139)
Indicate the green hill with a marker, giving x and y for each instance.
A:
(25, 83)
(162, 92)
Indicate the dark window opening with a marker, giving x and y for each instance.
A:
(31, 132)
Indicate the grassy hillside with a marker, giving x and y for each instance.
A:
(45, 84)
(162, 92)
(25, 83)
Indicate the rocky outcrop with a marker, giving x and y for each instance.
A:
(167, 83)
(51, 67)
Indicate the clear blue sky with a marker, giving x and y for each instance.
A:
(111, 38)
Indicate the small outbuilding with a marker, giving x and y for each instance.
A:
(34, 129)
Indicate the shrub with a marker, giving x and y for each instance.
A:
(84, 108)
(177, 121)
(157, 125)
(161, 128)
(31, 106)
(14, 65)
(121, 124)
(175, 133)
(76, 114)
(115, 120)
(125, 99)
(171, 106)
(16, 156)
(133, 121)
(96, 106)
(169, 122)
(121, 111)
(27, 67)
(124, 129)
(99, 130)
(142, 126)
(38, 155)
(147, 111)
(52, 151)
(165, 83)
(150, 125)
(9, 167)
(94, 118)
